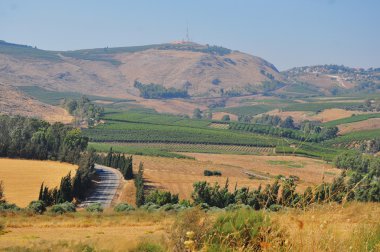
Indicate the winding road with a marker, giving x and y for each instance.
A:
(105, 189)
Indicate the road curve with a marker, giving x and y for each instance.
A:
(105, 189)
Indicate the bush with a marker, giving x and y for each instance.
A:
(62, 208)
(94, 208)
(145, 246)
(243, 230)
(6, 207)
(212, 173)
(162, 197)
(37, 207)
(150, 206)
(123, 207)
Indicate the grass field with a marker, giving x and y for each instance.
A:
(334, 228)
(249, 110)
(370, 124)
(314, 107)
(178, 175)
(22, 178)
(55, 97)
(354, 138)
(354, 118)
(167, 149)
(310, 171)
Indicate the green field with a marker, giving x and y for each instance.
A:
(249, 110)
(134, 150)
(315, 107)
(355, 118)
(356, 137)
(151, 117)
(55, 97)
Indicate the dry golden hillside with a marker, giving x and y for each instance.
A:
(113, 72)
(13, 102)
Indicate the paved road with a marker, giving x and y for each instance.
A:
(105, 188)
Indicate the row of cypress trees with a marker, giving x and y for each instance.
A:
(118, 161)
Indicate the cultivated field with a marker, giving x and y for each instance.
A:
(178, 175)
(22, 178)
(324, 116)
(370, 124)
(310, 171)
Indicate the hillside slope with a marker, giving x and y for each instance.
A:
(202, 70)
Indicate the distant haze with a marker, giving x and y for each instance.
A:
(287, 33)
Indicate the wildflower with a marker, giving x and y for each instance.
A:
(189, 244)
(190, 234)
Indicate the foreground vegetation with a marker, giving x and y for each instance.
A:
(330, 227)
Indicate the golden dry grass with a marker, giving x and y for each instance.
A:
(114, 232)
(179, 175)
(373, 123)
(329, 227)
(219, 116)
(324, 116)
(22, 178)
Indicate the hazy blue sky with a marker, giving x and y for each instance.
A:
(287, 33)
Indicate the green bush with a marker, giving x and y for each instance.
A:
(150, 206)
(212, 173)
(37, 207)
(161, 198)
(7, 207)
(238, 229)
(123, 207)
(146, 246)
(62, 208)
(94, 208)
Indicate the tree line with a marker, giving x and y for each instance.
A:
(29, 138)
(117, 161)
(316, 135)
(157, 91)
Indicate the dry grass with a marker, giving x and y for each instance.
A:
(13, 102)
(324, 116)
(310, 171)
(219, 116)
(22, 178)
(179, 175)
(373, 123)
(332, 227)
(114, 232)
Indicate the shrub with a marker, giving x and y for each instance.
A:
(123, 207)
(37, 207)
(243, 230)
(94, 208)
(146, 246)
(162, 197)
(62, 208)
(7, 207)
(150, 206)
(212, 173)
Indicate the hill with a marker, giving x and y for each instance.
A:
(202, 70)
(335, 79)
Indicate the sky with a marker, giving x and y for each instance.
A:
(287, 33)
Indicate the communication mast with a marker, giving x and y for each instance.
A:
(187, 33)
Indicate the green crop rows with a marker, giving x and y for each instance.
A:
(356, 118)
